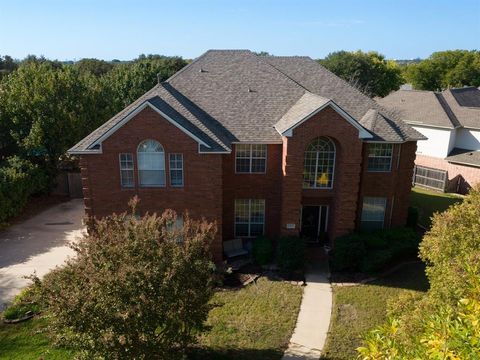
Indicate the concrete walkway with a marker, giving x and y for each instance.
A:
(313, 319)
(38, 244)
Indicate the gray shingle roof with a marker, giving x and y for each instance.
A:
(463, 156)
(227, 96)
(449, 109)
(304, 107)
(468, 116)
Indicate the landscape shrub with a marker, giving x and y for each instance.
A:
(262, 250)
(291, 254)
(412, 217)
(375, 260)
(348, 252)
(19, 179)
(443, 323)
(133, 291)
(371, 251)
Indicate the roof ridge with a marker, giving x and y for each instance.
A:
(448, 110)
(281, 72)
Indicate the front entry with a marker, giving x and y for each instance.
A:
(314, 223)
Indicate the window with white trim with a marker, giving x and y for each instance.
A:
(380, 157)
(151, 164)
(126, 171)
(319, 164)
(373, 213)
(176, 170)
(249, 217)
(250, 158)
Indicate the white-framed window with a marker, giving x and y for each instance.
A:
(176, 227)
(127, 179)
(319, 164)
(379, 157)
(373, 212)
(251, 158)
(249, 217)
(176, 169)
(151, 164)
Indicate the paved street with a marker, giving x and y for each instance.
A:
(37, 244)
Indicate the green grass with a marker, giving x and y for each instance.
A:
(357, 309)
(428, 202)
(29, 341)
(254, 322)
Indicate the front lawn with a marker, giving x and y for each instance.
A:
(29, 341)
(254, 322)
(428, 202)
(357, 309)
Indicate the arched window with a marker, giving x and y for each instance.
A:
(319, 164)
(151, 164)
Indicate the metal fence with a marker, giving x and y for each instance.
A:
(430, 178)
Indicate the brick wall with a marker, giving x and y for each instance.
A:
(253, 186)
(394, 185)
(201, 195)
(470, 174)
(343, 197)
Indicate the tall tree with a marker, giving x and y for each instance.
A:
(445, 69)
(128, 81)
(370, 72)
(46, 109)
(94, 66)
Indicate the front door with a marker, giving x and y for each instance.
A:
(314, 223)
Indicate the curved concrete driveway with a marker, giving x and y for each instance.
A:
(37, 244)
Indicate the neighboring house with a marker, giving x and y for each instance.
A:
(258, 144)
(451, 121)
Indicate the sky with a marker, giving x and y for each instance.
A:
(123, 29)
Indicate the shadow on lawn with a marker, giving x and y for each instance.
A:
(240, 354)
(410, 276)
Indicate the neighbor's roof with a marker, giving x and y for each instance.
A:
(449, 109)
(465, 157)
(227, 96)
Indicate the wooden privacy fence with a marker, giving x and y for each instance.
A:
(430, 178)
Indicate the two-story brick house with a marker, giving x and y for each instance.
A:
(260, 145)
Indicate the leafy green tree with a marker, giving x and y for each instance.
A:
(137, 289)
(443, 324)
(7, 65)
(46, 109)
(94, 66)
(445, 69)
(128, 81)
(370, 72)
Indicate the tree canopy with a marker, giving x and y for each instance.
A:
(445, 69)
(443, 324)
(370, 72)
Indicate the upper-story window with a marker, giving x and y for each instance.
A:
(380, 157)
(151, 164)
(319, 164)
(176, 170)
(251, 158)
(126, 170)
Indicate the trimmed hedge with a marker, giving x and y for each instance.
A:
(19, 179)
(262, 250)
(371, 251)
(291, 254)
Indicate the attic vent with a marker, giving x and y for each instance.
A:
(202, 70)
(250, 90)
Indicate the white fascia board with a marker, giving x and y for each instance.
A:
(362, 133)
(422, 124)
(135, 112)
